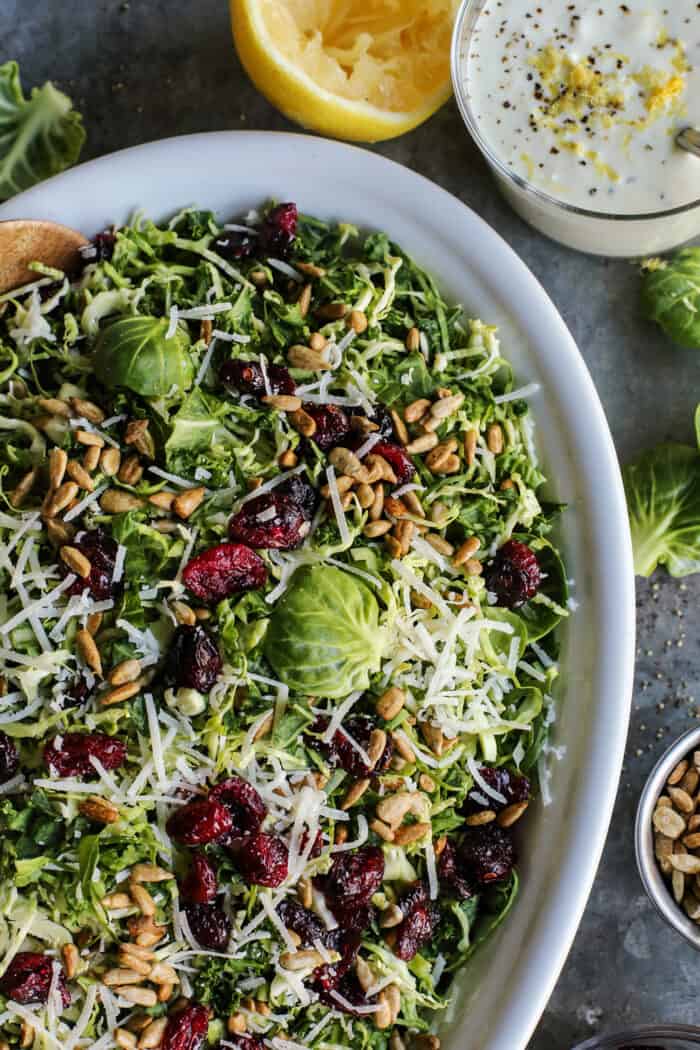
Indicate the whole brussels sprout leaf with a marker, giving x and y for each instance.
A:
(324, 636)
(39, 136)
(134, 353)
(671, 297)
(663, 498)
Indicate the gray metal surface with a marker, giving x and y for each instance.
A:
(146, 69)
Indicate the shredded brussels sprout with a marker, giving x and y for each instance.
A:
(378, 668)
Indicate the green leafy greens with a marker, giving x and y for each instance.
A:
(40, 136)
(124, 364)
(671, 296)
(663, 497)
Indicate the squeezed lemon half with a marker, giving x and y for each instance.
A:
(363, 70)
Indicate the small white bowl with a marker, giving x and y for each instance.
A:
(655, 884)
(595, 232)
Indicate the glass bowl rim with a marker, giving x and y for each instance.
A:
(467, 7)
(654, 1031)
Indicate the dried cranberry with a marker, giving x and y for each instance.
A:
(487, 852)
(348, 989)
(243, 802)
(186, 1030)
(381, 418)
(200, 884)
(399, 460)
(48, 291)
(317, 848)
(76, 693)
(301, 493)
(279, 229)
(354, 878)
(513, 575)
(354, 919)
(245, 1042)
(272, 520)
(414, 932)
(101, 551)
(262, 859)
(193, 660)
(28, 979)
(234, 244)
(347, 943)
(210, 925)
(195, 823)
(420, 919)
(221, 571)
(453, 876)
(339, 751)
(332, 425)
(513, 786)
(9, 758)
(69, 755)
(416, 895)
(100, 248)
(248, 377)
(302, 921)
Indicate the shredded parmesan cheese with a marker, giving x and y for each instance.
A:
(286, 269)
(337, 506)
(498, 796)
(230, 337)
(279, 479)
(205, 363)
(368, 445)
(83, 504)
(266, 378)
(517, 395)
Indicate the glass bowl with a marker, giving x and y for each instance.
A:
(647, 1037)
(595, 232)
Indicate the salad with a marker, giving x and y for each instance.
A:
(277, 627)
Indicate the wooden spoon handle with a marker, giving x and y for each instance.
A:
(30, 240)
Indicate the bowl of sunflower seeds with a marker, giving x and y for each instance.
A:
(667, 836)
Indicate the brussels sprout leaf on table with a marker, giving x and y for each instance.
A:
(663, 485)
(40, 136)
(663, 497)
(671, 296)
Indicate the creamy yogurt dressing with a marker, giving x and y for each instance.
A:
(583, 100)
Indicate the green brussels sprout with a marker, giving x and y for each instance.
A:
(133, 352)
(671, 297)
(324, 636)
